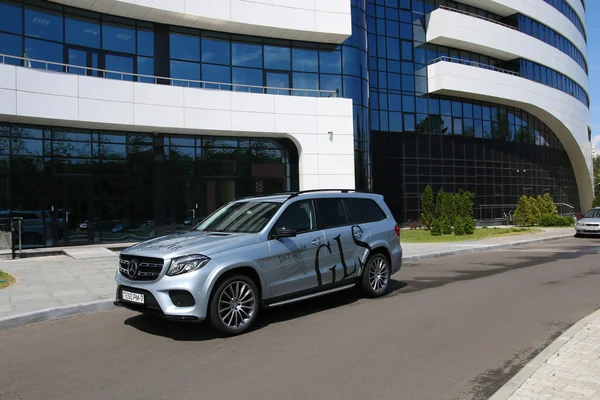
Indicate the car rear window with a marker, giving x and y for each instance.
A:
(362, 211)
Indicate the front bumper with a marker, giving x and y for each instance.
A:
(157, 298)
(587, 230)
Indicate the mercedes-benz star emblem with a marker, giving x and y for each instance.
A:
(132, 269)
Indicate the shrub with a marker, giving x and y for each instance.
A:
(527, 213)
(428, 207)
(436, 228)
(469, 224)
(484, 227)
(548, 220)
(459, 227)
(413, 225)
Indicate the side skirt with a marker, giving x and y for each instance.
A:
(310, 293)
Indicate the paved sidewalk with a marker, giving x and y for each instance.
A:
(568, 369)
(52, 282)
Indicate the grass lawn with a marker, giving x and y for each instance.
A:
(6, 277)
(423, 236)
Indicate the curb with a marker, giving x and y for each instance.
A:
(49, 314)
(483, 248)
(521, 377)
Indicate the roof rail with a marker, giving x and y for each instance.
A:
(322, 190)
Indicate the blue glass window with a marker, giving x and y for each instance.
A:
(408, 83)
(120, 64)
(393, 48)
(408, 104)
(82, 31)
(409, 122)
(121, 38)
(331, 61)
(331, 82)
(11, 17)
(248, 76)
(277, 80)
(43, 24)
(406, 31)
(185, 70)
(11, 45)
(278, 57)
(395, 102)
(395, 121)
(305, 60)
(394, 81)
(352, 89)
(246, 54)
(216, 73)
(305, 81)
(185, 47)
(145, 66)
(42, 50)
(145, 42)
(216, 51)
(407, 50)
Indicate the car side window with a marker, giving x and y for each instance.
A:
(299, 215)
(362, 211)
(331, 213)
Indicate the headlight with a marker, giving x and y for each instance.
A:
(186, 264)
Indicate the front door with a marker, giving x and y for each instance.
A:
(292, 265)
(73, 221)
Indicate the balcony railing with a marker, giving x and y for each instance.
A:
(473, 64)
(51, 66)
(477, 16)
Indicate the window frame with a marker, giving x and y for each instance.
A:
(315, 213)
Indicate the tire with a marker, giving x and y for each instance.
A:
(230, 320)
(579, 235)
(375, 280)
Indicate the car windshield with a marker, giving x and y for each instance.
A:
(593, 213)
(243, 217)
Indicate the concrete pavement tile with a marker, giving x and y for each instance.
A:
(31, 296)
(582, 391)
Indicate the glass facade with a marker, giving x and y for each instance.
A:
(567, 11)
(86, 186)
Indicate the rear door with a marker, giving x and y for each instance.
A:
(336, 259)
(364, 214)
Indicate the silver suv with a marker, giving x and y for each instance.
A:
(263, 252)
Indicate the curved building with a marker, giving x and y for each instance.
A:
(126, 119)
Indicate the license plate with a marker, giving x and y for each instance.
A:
(132, 297)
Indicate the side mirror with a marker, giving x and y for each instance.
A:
(283, 232)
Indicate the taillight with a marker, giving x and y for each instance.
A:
(397, 229)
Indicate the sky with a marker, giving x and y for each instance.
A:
(593, 11)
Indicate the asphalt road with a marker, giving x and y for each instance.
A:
(453, 328)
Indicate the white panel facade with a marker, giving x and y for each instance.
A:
(449, 28)
(327, 21)
(321, 128)
(540, 11)
(565, 115)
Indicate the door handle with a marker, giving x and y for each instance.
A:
(67, 216)
(316, 241)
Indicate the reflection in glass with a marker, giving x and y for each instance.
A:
(120, 64)
(278, 80)
(11, 45)
(216, 51)
(42, 50)
(246, 54)
(309, 82)
(145, 42)
(11, 17)
(82, 31)
(277, 57)
(77, 57)
(43, 24)
(27, 147)
(330, 62)
(145, 66)
(216, 73)
(185, 70)
(248, 76)
(305, 60)
(118, 37)
(185, 47)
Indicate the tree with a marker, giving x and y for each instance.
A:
(433, 124)
(527, 213)
(596, 202)
(464, 203)
(546, 205)
(428, 207)
(436, 228)
(596, 165)
(445, 211)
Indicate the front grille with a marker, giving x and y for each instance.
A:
(148, 269)
(592, 224)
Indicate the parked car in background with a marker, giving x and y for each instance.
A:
(263, 252)
(589, 225)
